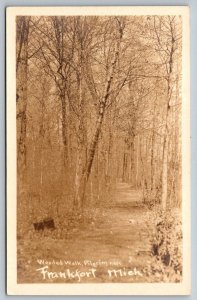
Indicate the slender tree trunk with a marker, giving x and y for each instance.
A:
(137, 163)
(81, 151)
(108, 159)
(21, 97)
(124, 167)
(164, 194)
(100, 117)
(80, 148)
(131, 176)
(165, 174)
(168, 58)
(65, 129)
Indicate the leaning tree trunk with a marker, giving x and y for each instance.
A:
(100, 117)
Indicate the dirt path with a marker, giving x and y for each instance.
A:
(118, 239)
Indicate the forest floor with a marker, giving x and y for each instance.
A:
(119, 239)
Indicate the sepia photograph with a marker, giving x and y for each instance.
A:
(99, 135)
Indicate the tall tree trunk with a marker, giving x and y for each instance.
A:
(65, 129)
(21, 95)
(81, 131)
(170, 66)
(165, 174)
(152, 163)
(108, 158)
(80, 142)
(137, 163)
(100, 117)
(124, 167)
(164, 193)
(131, 177)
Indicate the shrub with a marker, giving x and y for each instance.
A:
(166, 248)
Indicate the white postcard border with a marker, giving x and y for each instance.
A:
(13, 288)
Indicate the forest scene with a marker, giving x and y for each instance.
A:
(98, 114)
